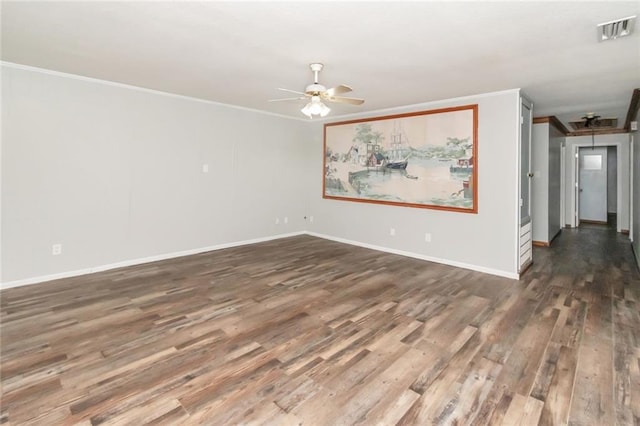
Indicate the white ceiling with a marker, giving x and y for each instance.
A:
(391, 53)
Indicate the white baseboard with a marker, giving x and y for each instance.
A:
(476, 268)
(100, 268)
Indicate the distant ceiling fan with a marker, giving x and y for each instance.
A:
(317, 93)
(591, 120)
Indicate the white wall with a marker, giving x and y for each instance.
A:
(114, 174)
(554, 219)
(485, 241)
(634, 140)
(545, 193)
(623, 183)
(612, 179)
(540, 182)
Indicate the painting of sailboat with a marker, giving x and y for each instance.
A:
(426, 159)
(399, 148)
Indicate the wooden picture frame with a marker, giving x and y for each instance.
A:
(426, 159)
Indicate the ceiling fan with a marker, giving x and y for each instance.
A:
(317, 93)
(591, 121)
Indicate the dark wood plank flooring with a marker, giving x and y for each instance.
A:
(308, 331)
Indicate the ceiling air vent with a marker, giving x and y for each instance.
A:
(613, 29)
(599, 123)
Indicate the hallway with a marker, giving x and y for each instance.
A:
(589, 274)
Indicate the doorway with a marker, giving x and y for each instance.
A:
(596, 200)
(592, 185)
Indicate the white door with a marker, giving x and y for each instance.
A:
(592, 185)
(526, 249)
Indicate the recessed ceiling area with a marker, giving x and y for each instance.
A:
(391, 53)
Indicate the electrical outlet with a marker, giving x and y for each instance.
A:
(277, 221)
(392, 232)
(286, 219)
(205, 168)
(311, 219)
(427, 237)
(56, 249)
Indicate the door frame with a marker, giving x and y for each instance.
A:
(523, 102)
(575, 194)
(585, 151)
(563, 185)
(631, 212)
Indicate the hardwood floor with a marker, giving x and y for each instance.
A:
(308, 331)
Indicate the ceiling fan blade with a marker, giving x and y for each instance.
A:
(338, 90)
(288, 99)
(292, 91)
(342, 100)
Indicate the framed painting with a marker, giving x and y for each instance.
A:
(426, 159)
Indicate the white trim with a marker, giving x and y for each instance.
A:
(133, 262)
(631, 213)
(1, 162)
(518, 160)
(142, 89)
(453, 102)
(476, 268)
(576, 188)
(619, 190)
(210, 102)
(526, 102)
(563, 196)
(575, 199)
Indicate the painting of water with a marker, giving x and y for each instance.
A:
(426, 159)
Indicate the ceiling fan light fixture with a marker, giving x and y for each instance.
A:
(315, 107)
